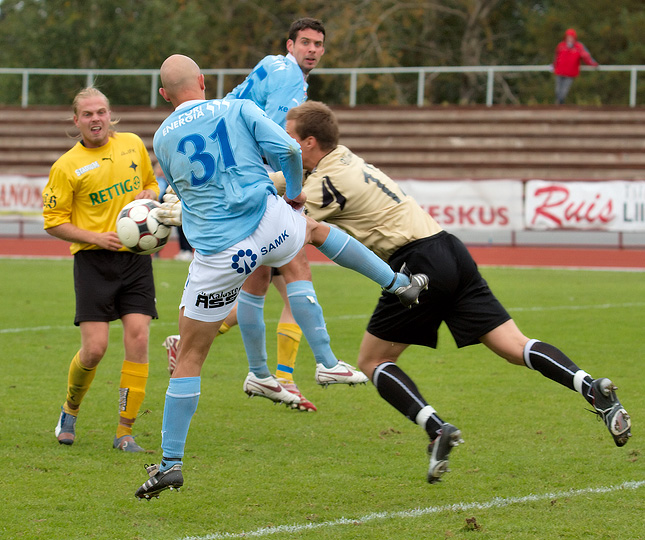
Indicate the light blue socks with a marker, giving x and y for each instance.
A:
(182, 397)
(309, 316)
(250, 318)
(350, 253)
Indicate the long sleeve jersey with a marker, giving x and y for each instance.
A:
(211, 153)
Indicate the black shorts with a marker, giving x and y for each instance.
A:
(110, 284)
(457, 294)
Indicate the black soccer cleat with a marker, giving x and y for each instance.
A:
(160, 481)
(409, 294)
(607, 407)
(440, 449)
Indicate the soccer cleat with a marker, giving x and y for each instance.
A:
(409, 294)
(341, 373)
(127, 444)
(305, 404)
(171, 343)
(270, 388)
(160, 481)
(65, 430)
(607, 406)
(440, 449)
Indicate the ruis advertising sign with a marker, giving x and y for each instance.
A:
(610, 206)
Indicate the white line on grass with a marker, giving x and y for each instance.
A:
(340, 317)
(497, 502)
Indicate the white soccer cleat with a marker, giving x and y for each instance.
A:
(305, 404)
(341, 373)
(270, 388)
(171, 343)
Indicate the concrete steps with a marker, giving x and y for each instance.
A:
(408, 142)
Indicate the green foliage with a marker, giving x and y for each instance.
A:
(250, 464)
(375, 33)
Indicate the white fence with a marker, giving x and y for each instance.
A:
(421, 72)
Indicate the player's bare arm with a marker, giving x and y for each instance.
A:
(71, 233)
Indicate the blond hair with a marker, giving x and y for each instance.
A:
(91, 92)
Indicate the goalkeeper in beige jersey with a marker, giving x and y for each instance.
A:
(345, 191)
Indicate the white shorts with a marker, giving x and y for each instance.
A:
(214, 281)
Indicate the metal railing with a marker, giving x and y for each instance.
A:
(422, 73)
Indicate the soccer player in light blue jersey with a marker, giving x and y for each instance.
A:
(211, 153)
(277, 84)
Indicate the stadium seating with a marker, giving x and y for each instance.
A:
(410, 142)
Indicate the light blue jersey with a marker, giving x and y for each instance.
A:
(276, 85)
(211, 153)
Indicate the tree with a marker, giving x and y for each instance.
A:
(363, 33)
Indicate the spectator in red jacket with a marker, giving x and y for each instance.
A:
(566, 64)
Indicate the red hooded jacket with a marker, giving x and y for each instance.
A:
(567, 59)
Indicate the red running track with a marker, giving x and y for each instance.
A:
(487, 256)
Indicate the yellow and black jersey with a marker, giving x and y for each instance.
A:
(363, 201)
(88, 187)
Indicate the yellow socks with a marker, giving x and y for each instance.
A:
(132, 390)
(79, 380)
(289, 335)
(223, 329)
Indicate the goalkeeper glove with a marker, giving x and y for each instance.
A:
(169, 213)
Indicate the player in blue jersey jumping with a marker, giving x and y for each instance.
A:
(276, 84)
(211, 154)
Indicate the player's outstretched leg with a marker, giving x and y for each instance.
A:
(350, 253)
(599, 393)
(395, 387)
(607, 406)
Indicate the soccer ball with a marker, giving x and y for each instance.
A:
(138, 228)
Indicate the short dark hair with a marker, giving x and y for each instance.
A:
(315, 119)
(304, 24)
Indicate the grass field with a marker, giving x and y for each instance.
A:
(535, 463)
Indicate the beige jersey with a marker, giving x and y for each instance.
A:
(357, 197)
(88, 187)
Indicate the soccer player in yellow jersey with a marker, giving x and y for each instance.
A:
(345, 191)
(87, 188)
